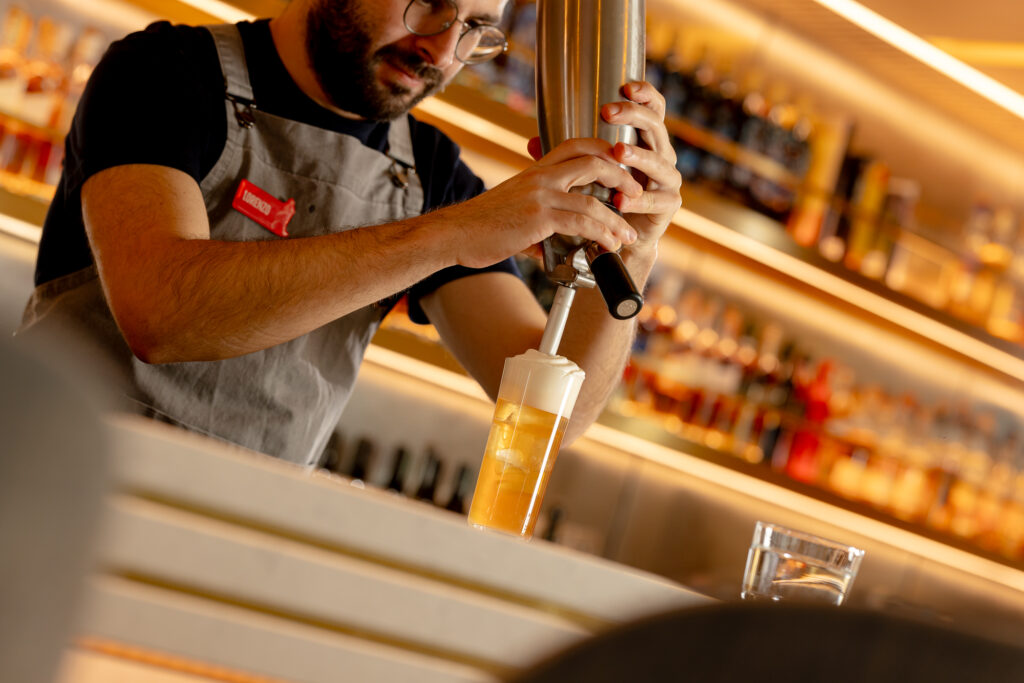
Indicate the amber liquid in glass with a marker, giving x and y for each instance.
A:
(520, 454)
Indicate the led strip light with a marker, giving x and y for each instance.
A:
(219, 9)
(926, 53)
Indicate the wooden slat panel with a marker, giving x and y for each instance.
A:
(169, 464)
(251, 642)
(156, 543)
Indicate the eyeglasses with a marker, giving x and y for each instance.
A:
(477, 42)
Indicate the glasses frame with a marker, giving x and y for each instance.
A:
(448, 23)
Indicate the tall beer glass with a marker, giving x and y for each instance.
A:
(535, 399)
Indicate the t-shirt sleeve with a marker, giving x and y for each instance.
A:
(459, 184)
(154, 98)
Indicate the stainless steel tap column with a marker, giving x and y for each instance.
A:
(586, 51)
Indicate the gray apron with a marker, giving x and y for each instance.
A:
(285, 400)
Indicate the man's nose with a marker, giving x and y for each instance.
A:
(439, 49)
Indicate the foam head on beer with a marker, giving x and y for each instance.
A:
(542, 381)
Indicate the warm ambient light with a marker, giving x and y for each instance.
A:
(221, 10)
(925, 52)
(987, 52)
(823, 281)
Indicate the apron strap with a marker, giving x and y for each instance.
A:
(400, 142)
(231, 53)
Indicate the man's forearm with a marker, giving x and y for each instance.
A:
(207, 300)
(600, 344)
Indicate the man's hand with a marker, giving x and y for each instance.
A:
(537, 202)
(653, 162)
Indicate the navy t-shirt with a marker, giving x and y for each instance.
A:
(157, 97)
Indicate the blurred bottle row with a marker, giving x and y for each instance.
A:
(749, 138)
(714, 373)
(44, 65)
(425, 476)
(437, 479)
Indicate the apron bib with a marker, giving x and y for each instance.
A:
(286, 400)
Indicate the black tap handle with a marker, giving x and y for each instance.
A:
(616, 285)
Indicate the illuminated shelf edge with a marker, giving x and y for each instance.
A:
(912, 321)
(737, 482)
(20, 229)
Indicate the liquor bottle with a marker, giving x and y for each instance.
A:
(464, 482)
(521, 57)
(14, 40)
(399, 470)
(724, 122)
(1010, 526)
(773, 440)
(700, 101)
(44, 73)
(428, 482)
(977, 273)
(770, 195)
(828, 145)
(331, 457)
(898, 214)
(360, 466)
(835, 230)
(751, 125)
(915, 487)
(555, 518)
(948, 442)
(803, 463)
(996, 492)
(885, 462)
(84, 56)
(975, 467)
(748, 421)
(866, 208)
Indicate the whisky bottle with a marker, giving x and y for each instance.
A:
(464, 482)
(431, 473)
(399, 470)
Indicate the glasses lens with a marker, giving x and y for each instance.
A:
(430, 17)
(480, 44)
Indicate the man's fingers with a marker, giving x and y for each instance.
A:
(650, 125)
(587, 227)
(585, 170)
(653, 202)
(576, 148)
(658, 167)
(644, 93)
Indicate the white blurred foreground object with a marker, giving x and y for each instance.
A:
(784, 564)
(53, 473)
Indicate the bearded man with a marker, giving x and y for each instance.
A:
(241, 205)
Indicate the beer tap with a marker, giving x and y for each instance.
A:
(586, 52)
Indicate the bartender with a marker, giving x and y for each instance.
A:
(241, 205)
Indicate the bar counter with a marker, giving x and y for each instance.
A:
(215, 562)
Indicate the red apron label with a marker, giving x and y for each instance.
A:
(264, 208)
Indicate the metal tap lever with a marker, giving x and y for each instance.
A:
(614, 282)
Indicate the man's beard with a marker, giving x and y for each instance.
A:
(338, 44)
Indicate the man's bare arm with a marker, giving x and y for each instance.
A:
(177, 295)
(486, 318)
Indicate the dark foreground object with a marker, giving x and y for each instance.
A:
(785, 643)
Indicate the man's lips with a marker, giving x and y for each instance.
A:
(404, 74)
